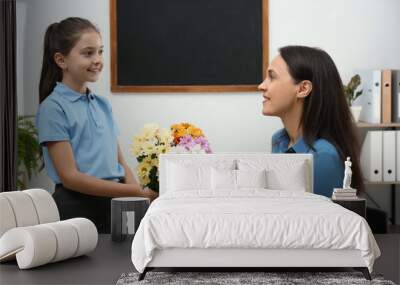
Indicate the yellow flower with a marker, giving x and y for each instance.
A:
(148, 131)
(144, 166)
(165, 136)
(143, 171)
(138, 139)
(154, 162)
(163, 148)
(144, 180)
(150, 162)
(136, 150)
(148, 148)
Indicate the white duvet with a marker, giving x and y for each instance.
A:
(250, 219)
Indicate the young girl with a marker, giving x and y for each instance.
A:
(304, 89)
(76, 127)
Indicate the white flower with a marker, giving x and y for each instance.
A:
(165, 136)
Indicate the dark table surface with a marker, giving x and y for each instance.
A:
(110, 259)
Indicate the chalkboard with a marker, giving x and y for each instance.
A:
(188, 45)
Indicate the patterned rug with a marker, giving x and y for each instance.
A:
(243, 278)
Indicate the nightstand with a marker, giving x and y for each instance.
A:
(357, 205)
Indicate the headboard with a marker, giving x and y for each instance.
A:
(233, 159)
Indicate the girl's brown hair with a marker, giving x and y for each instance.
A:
(60, 37)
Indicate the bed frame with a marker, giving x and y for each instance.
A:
(242, 259)
(246, 258)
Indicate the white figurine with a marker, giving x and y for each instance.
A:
(347, 174)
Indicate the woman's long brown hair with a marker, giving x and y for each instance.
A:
(326, 113)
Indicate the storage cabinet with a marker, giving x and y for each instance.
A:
(364, 128)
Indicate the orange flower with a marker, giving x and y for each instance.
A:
(185, 129)
(195, 132)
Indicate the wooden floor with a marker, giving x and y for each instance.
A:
(389, 262)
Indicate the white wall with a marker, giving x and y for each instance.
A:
(356, 33)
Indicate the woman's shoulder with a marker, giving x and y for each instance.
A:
(279, 135)
(323, 146)
(327, 160)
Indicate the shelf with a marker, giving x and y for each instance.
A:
(369, 125)
(381, 183)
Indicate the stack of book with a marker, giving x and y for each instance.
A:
(344, 194)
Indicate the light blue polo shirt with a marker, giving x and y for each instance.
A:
(328, 167)
(86, 121)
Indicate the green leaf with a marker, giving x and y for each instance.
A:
(350, 88)
(154, 184)
(29, 152)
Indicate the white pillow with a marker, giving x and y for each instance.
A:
(181, 177)
(251, 178)
(237, 179)
(280, 174)
(293, 180)
(223, 179)
(188, 173)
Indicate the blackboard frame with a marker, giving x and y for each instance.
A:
(115, 87)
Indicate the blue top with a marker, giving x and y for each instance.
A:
(86, 122)
(328, 167)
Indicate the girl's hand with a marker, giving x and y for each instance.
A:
(148, 193)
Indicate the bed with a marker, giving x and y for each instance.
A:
(247, 210)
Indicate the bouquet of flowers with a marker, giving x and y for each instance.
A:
(146, 147)
(153, 140)
(189, 139)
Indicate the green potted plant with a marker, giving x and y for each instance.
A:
(351, 95)
(29, 157)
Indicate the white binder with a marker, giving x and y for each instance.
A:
(371, 156)
(389, 159)
(370, 99)
(398, 155)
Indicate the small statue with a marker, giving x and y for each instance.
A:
(347, 174)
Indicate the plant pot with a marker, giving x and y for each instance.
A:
(356, 111)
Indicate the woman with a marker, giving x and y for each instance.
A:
(304, 89)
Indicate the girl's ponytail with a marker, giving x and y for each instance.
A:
(60, 37)
(51, 73)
